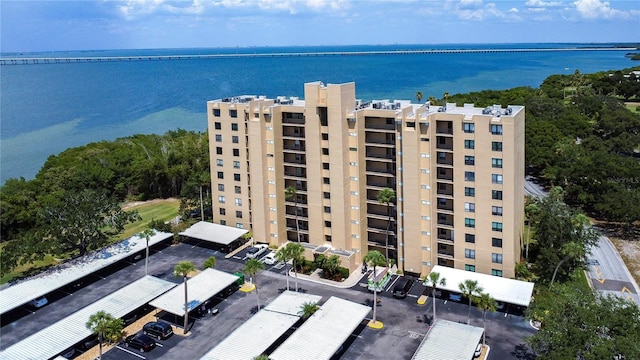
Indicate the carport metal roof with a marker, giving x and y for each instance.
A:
(263, 329)
(219, 234)
(321, 336)
(201, 287)
(501, 289)
(447, 340)
(65, 333)
(68, 272)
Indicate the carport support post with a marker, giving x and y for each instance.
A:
(186, 308)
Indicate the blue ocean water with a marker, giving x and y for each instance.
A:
(46, 108)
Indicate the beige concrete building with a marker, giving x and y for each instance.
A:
(457, 172)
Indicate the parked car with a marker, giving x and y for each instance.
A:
(141, 342)
(256, 251)
(478, 351)
(39, 302)
(270, 258)
(157, 329)
(401, 289)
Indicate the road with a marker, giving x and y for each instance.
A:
(607, 271)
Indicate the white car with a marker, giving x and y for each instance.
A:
(270, 258)
(256, 251)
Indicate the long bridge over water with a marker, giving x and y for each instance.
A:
(89, 59)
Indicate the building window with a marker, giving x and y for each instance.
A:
(469, 176)
(236, 164)
(235, 139)
(353, 149)
(216, 112)
(496, 163)
(233, 113)
(325, 166)
(236, 152)
(470, 238)
(496, 129)
(223, 211)
(326, 195)
(237, 189)
(469, 144)
(220, 175)
(354, 178)
(496, 226)
(327, 224)
(217, 125)
(236, 177)
(219, 162)
(325, 136)
(496, 178)
(469, 222)
(496, 242)
(469, 191)
(239, 214)
(496, 210)
(468, 128)
(326, 181)
(234, 126)
(218, 150)
(327, 209)
(496, 194)
(469, 160)
(325, 151)
(469, 253)
(218, 137)
(496, 272)
(220, 187)
(471, 268)
(238, 202)
(496, 145)
(470, 207)
(240, 225)
(496, 258)
(223, 222)
(221, 199)
(256, 115)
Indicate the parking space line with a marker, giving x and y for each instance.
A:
(130, 352)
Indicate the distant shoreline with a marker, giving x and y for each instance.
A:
(87, 59)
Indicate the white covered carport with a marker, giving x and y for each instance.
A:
(74, 270)
(509, 291)
(322, 335)
(214, 233)
(264, 328)
(448, 340)
(52, 340)
(201, 287)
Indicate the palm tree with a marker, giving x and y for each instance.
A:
(307, 309)
(385, 196)
(252, 268)
(183, 268)
(296, 252)
(282, 255)
(419, 96)
(292, 193)
(147, 234)
(375, 258)
(485, 302)
(470, 289)
(434, 280)
(104, 325)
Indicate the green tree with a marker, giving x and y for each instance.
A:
(419, 96)
(282, 255)
(386, 196)
(147, 234)
(485, 302)
(184, 268)
(470, 290)
(308, 308)
(292, 193)
(106, 327)
(375, 258)
(261, 357)
(296, 255)
(434, 280)
(252, 267)
(210, 263)
(331, 265)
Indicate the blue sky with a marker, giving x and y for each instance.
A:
(27, 25)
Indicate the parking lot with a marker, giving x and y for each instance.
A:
(404, 320)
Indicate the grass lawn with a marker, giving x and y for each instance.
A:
(160, 209)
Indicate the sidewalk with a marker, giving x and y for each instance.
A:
(353, 279)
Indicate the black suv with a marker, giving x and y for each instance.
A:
(160, 330)
(140, 341)
(402, 287)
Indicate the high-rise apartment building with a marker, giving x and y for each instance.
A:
(457, 174)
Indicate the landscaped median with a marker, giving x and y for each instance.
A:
(247, 287)
(422, 299)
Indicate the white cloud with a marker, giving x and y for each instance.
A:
(596, 9)
(542, 4)
(139, 8)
